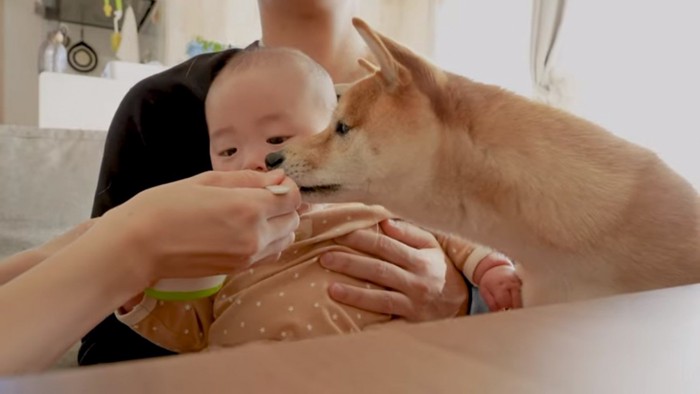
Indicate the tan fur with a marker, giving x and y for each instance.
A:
(586, 213)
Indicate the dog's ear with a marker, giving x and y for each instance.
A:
(367, 65)
(391, 72)
(399, 66)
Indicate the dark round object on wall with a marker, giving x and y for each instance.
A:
(81, 56)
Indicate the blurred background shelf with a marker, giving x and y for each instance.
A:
(90, 12)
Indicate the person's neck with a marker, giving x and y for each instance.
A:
(327, 36)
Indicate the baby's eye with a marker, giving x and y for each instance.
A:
(228, 152)
(277, 140)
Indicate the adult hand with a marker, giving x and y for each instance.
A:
(212, 223)
(419, 283)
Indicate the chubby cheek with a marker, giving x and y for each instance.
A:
(219, 163)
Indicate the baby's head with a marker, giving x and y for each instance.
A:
(260, 100)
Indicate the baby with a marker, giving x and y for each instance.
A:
(259, 100)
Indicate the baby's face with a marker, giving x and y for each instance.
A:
(253, 113)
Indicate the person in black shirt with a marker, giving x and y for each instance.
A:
(159, 134)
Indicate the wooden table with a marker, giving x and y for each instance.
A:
(638, 343)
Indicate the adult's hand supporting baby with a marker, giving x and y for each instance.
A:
(421, 284)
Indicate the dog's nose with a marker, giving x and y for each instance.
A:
(274, 160)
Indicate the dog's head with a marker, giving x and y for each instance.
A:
(382, 135)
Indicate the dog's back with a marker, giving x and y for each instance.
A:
(585, 213)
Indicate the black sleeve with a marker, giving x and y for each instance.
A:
(158, 135)
(124, 154)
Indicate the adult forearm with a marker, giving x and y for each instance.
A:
(47, 310)
(17, 264)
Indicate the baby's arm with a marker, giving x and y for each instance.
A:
(179, 326)
(490, 271)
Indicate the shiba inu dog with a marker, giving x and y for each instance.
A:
(585, 213)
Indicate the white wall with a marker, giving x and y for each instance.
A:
(635, 67)
(234, 22)
(2, 63)
(632, 67)
(488, 41)
(21, 37)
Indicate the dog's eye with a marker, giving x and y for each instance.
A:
(341, 128)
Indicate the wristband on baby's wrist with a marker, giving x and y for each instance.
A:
(476, 257)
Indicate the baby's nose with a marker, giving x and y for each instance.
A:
(274, 160)
(254, 160)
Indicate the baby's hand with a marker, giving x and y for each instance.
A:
(500, 288)
(131, 304)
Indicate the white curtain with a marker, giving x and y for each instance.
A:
(549, 85)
